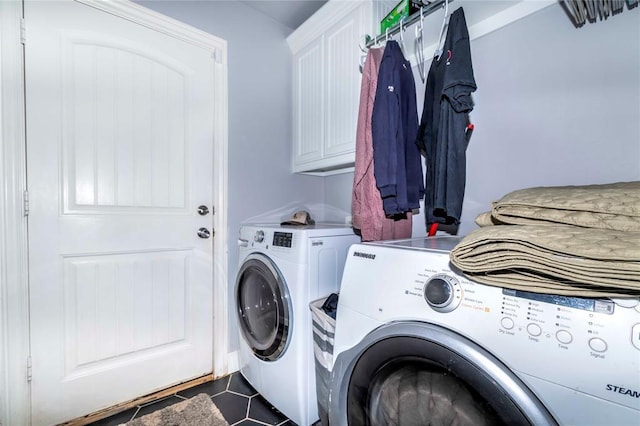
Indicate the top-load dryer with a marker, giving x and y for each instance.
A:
(281, 270)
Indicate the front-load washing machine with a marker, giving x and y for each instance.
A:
(418, 343)
(281, 270)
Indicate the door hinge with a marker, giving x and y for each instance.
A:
(29, 371)
(23, 31)
(26, 202)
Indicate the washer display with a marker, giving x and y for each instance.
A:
(417, 343)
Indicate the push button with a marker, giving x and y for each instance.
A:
(564, 336)
(635, 336)
(507, 323)
(534, 330)
(598, 345)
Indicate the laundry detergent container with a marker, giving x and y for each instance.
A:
(324, 327)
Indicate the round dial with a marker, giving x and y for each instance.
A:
(443, 293)
(259, 237)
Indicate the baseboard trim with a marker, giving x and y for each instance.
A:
(233, 363)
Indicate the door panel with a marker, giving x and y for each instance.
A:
(134, 303)
(119, 146)
(119, 152)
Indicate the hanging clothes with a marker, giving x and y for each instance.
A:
(397, 161)
(445, 128)
(366, 206)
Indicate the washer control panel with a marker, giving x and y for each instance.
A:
(266, 238)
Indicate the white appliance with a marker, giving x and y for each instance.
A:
(410, 328)
(281, 270)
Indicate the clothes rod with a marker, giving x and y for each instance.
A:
(427, 9)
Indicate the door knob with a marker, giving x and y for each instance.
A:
(204, 233)
(203, 210)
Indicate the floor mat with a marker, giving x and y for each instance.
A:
(196, 411)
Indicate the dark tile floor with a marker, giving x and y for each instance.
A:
(239, 403)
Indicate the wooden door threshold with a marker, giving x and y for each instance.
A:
(108, 412)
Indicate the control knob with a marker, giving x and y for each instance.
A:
(259, 237)
(443, 293)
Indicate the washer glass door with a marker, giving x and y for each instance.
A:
(263, 307)
(430, 376)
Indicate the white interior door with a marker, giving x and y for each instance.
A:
(119, 147)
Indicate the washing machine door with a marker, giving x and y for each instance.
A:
(413, 374)
(264, 307)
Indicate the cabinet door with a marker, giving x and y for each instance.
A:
(309, 103)
(343, 84)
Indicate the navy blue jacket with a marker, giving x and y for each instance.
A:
(394, 127)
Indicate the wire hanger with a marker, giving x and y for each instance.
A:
(419, 48)
(443, 30)
(402, 28)
(363, 56)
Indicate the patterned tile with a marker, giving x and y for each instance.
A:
(150, 407)
(210, 388)
(239, 402)
(232, 406)
(261, 410)
(240, 385)
(117, 419)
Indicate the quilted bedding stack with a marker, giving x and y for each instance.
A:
(569, 240)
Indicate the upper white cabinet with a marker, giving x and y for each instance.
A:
(326, 87)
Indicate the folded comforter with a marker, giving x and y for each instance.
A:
(609, 206)
(556, 259)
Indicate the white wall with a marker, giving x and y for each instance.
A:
(555, 105)
(261, 185)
